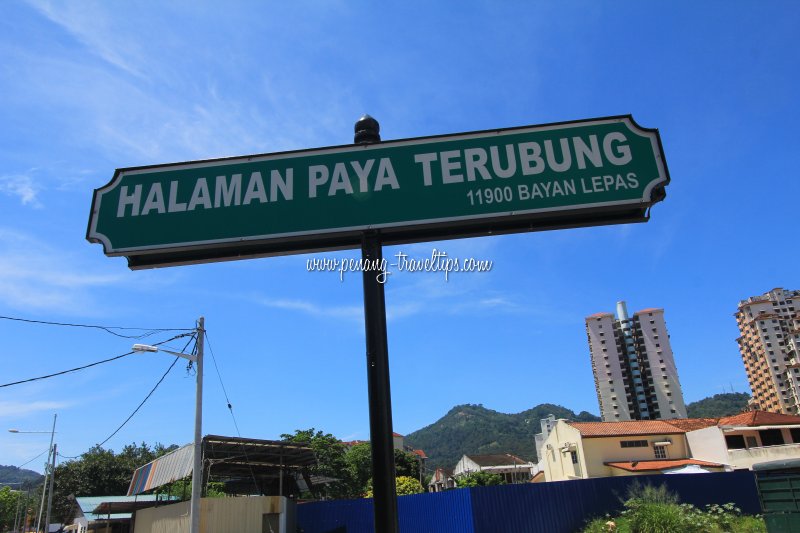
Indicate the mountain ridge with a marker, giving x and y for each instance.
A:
(475, 429)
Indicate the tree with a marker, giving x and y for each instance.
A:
(331, 462)
(99, 472)
(406, 464)
(478, 479)
(359, 460)
(408, 485)
(403, 485)
(8, 507)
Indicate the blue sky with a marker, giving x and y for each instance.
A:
(89, 87)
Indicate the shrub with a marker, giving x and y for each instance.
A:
(658, 518)
(404, 486)
(478, 479)
(638, 494)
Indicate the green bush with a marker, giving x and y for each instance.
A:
(658, 518)
(654, 510)
(750, 524)
(638, 494)
(478, 479)
(600, 525)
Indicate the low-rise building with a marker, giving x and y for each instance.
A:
(510, 467)
(580, 450)
(441, 480)
(747, 439)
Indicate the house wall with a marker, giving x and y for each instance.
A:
(708, 444)
(740, 459)
(465, 465)
(558, 465)
(606, 449)
(217, 515)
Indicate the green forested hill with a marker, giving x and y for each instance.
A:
(476, 429)
(726, 404)
(19, 478)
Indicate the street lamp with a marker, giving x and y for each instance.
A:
(50, 469)
(197, 465)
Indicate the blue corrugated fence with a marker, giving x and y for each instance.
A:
(560, 507)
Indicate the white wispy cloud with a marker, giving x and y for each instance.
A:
(31, 278)
(313, 308)
(12, 409)
(92, 26)
(22, 186)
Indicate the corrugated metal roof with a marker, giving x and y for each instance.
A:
(166, 469)
(89, 503)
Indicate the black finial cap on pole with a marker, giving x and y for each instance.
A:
(367, 131)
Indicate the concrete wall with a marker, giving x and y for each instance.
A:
(747, 458)
(708, 444)
(593, 453)
(217, 515)
(558, 464)
(607, 449)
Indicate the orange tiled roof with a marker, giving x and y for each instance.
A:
(649, 310)
(647, 466)
(630, 428)
(691, 424)
(420, 453)
(759, 418)
(626, 428)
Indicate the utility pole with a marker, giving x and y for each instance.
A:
(47, 471)
(197, 466)
(50, 495)
(197, 461)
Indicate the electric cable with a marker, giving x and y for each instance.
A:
(230, 409)
(85, 366)
(108, 329)
(146, 397)
(32, 460)
(68, 456)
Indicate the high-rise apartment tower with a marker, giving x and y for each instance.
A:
(770, 346)
(634, 371)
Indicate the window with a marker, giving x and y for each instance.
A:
(574, 457)
(735, 442)
(771, 437)
(660, 452)
(633, 444)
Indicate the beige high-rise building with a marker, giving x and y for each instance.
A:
(634, 370)
(770, 346)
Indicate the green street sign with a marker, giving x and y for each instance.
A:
(570, 174)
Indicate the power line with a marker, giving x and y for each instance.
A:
(230, 409)
(32, 460)
(107, 329)
(68, 456)
(83, 367)
(146, 397)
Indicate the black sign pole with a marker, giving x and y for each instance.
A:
(367, 131)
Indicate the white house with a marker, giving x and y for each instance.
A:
(510, 467)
